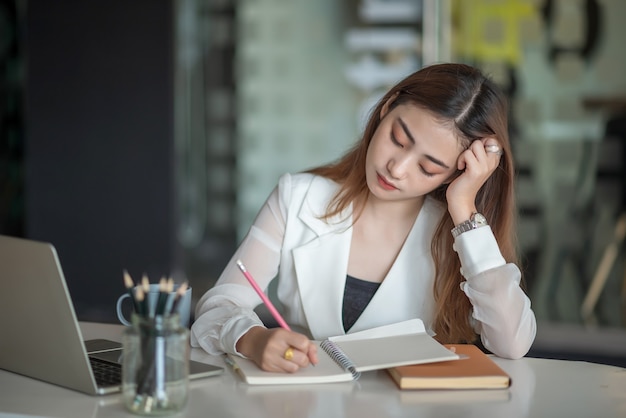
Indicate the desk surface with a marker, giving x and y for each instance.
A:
(540, 388)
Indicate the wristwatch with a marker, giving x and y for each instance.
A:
(475, 221)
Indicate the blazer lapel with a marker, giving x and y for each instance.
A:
(321, 284)
(321, 264)
(406, 292)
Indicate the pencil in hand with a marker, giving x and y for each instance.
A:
(263, 296)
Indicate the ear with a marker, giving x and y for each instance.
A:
(385, 109)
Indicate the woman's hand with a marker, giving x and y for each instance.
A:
(477, 163)
(277, 350)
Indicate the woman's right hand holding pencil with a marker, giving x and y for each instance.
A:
(278, 349)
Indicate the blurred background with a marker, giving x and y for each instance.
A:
(145, 135)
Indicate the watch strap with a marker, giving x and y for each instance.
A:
(475, 221)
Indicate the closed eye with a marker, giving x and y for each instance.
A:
(395, 140)
(426, 173)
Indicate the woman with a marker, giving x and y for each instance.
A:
(416, 221)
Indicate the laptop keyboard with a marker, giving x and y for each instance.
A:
(106, 373)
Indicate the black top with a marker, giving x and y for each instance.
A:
(356, 296)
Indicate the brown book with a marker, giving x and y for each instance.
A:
(475, 370)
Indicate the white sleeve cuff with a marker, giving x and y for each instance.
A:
(478, 251)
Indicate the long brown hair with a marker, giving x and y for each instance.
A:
(460, 96)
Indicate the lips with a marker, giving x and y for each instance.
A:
(384, 184)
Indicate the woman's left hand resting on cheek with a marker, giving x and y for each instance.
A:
(477, 164)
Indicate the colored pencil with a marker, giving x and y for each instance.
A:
(263, 296)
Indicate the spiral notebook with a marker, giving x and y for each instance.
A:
(344, 358)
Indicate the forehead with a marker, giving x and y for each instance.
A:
(411, 111)
(424, 124)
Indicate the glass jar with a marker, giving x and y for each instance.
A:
(155, 368)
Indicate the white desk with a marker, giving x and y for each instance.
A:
(541, 388)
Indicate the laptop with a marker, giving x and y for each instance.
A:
(39, 332)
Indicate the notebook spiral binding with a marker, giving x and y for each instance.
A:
(340, 357)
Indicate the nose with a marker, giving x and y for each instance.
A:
(399, 165)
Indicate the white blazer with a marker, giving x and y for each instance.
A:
(314, 262)
(309, 256)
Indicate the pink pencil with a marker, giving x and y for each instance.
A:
(263, 296)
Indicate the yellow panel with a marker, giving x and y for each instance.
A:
(490, 29)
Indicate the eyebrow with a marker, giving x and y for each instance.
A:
(410, 136)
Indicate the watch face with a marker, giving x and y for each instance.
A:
(479, 220)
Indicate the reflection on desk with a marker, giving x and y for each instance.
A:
(540, 388)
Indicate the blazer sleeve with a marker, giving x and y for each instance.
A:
(501, 312)
(226, 312)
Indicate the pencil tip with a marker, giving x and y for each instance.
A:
(128, 281)
(182, 288)
(145, 282)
